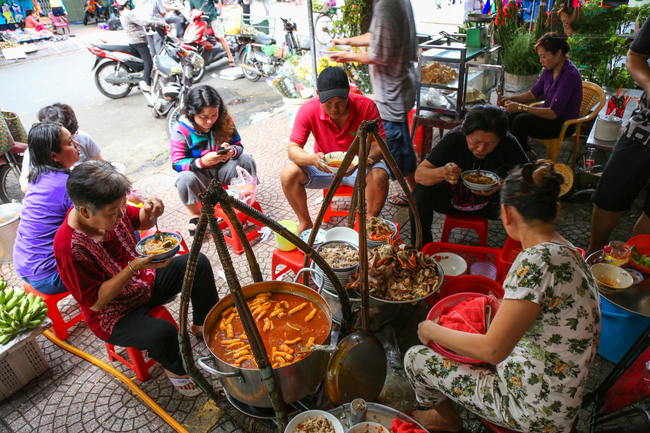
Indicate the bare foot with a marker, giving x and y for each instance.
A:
(196, 330)
(302, 226)
(443, 417)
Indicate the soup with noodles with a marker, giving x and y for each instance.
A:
(480, 179)
(152, 246)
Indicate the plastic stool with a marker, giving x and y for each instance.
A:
(183, 249)
(290, 260)
(59, 326)
(138, 364)
(470, 222)
(342, 191)
(232, 239)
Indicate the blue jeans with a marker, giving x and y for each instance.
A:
(50, 286)
(400, 146)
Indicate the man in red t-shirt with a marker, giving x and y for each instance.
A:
(333, 118)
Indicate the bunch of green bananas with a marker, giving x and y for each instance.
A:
(18, 311)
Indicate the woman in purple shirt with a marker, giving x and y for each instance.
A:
(52, 151)
(560, 87)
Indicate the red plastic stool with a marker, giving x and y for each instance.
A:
(183, 250)
(342, 191)
(59, 326)
(232, 239)
(470, 222)
(138, 364)
(290, 260)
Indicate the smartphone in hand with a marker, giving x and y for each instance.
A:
(222, 151)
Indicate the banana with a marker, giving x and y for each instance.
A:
(6, 317)
(40, 317)
(3, 284)
(2, 296)
(12, 303)
(16, 325)
(9, 293)
(31, 298)
(34, 323)
(26, 319)
(6, 338)
(5, 331)
(20, 294)
(36, 305)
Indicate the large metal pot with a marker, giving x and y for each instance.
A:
(297, 380)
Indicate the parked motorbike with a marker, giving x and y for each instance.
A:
(200, 35)
(174, 69)
(10, 167)
(92, 9)
(256, 63)
(118, 68)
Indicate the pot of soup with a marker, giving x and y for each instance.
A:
(291, 318)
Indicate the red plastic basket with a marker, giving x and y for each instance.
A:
(470, 253)
(511, 250)
(642, 244)
(442, 306)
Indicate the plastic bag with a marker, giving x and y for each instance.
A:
(232, 26)
(245, 185)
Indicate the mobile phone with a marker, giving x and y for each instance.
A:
(222, 151)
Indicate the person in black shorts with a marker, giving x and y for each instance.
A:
(482, 141)
(628, 169)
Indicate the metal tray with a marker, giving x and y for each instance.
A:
(378, 413)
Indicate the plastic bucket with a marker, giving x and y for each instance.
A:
(619, 330)
(281, 242)
(9, 219)
(292, 105)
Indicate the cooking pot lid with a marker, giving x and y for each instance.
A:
(356, 370)
(609, 118)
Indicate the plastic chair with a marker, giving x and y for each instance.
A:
(342, 191)
(592, 96)
(59, 23)
(289, 260)
(59, 325)
(137, 363)
(470, 222)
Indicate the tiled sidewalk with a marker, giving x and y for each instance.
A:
(76, 396)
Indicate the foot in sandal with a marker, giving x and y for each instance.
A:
(399, 199)
(184, 384)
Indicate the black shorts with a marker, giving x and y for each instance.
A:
(626, 173)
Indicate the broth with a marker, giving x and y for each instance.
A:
(283, 333)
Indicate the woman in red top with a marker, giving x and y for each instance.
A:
(114, 286)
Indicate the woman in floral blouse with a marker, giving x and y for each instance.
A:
(540, 344)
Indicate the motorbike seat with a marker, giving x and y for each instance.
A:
(164, 64)
(121, 48)
(264, 40)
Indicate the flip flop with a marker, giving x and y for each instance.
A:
(194, 221)
(180, 382)
(398, 200)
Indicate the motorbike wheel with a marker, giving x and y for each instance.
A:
(113, 91)
(324, 29)
(86, 18)
(245, 60)
(9, 184)
(173, 115)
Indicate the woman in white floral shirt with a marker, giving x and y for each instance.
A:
(542, 341)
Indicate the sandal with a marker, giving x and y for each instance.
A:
(194, 221)
(399, 199)
(179, 383)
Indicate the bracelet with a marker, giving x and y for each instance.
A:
(132, 270)
(520, 107)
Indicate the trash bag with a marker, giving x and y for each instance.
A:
(245, 185)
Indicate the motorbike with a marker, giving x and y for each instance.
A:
(118, 68)
(200, 35)
(10, 168)
(255, 62)
(92, 9)
(174, 68)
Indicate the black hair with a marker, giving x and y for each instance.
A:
(60, 113)
(533, 190)
(553, 42)
(206, 96)
(95, 184)
(43, 139)
(28, 12)
(488, 118)
(571, 12)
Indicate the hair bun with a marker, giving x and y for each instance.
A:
(542, 180)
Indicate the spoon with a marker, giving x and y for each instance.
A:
(158, 235)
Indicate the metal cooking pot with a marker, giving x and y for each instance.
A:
(297, 380)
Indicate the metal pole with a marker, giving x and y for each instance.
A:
(312, 33)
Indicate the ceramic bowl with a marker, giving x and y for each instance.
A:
(337, 156)
(453, 265)
(368, 427)
(342, 234)
(302, 417)
(479, 186)
(162, 256)
(611, 279)
(320, 237)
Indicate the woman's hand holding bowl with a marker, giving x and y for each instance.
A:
(452, 173)
(490, 191)
(145, 263)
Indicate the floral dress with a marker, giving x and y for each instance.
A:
(539, 386)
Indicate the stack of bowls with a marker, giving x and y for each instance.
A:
(373, 244)
(343, 274)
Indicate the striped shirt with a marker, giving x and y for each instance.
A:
(393, 49)
(189, 145)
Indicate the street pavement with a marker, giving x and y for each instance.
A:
(76, 396)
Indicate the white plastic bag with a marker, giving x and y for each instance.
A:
(245, 185)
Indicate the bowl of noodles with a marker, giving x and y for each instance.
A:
(161, 250)
(333, 161)
(481, 180)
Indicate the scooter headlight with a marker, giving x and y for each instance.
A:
(197, 60)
